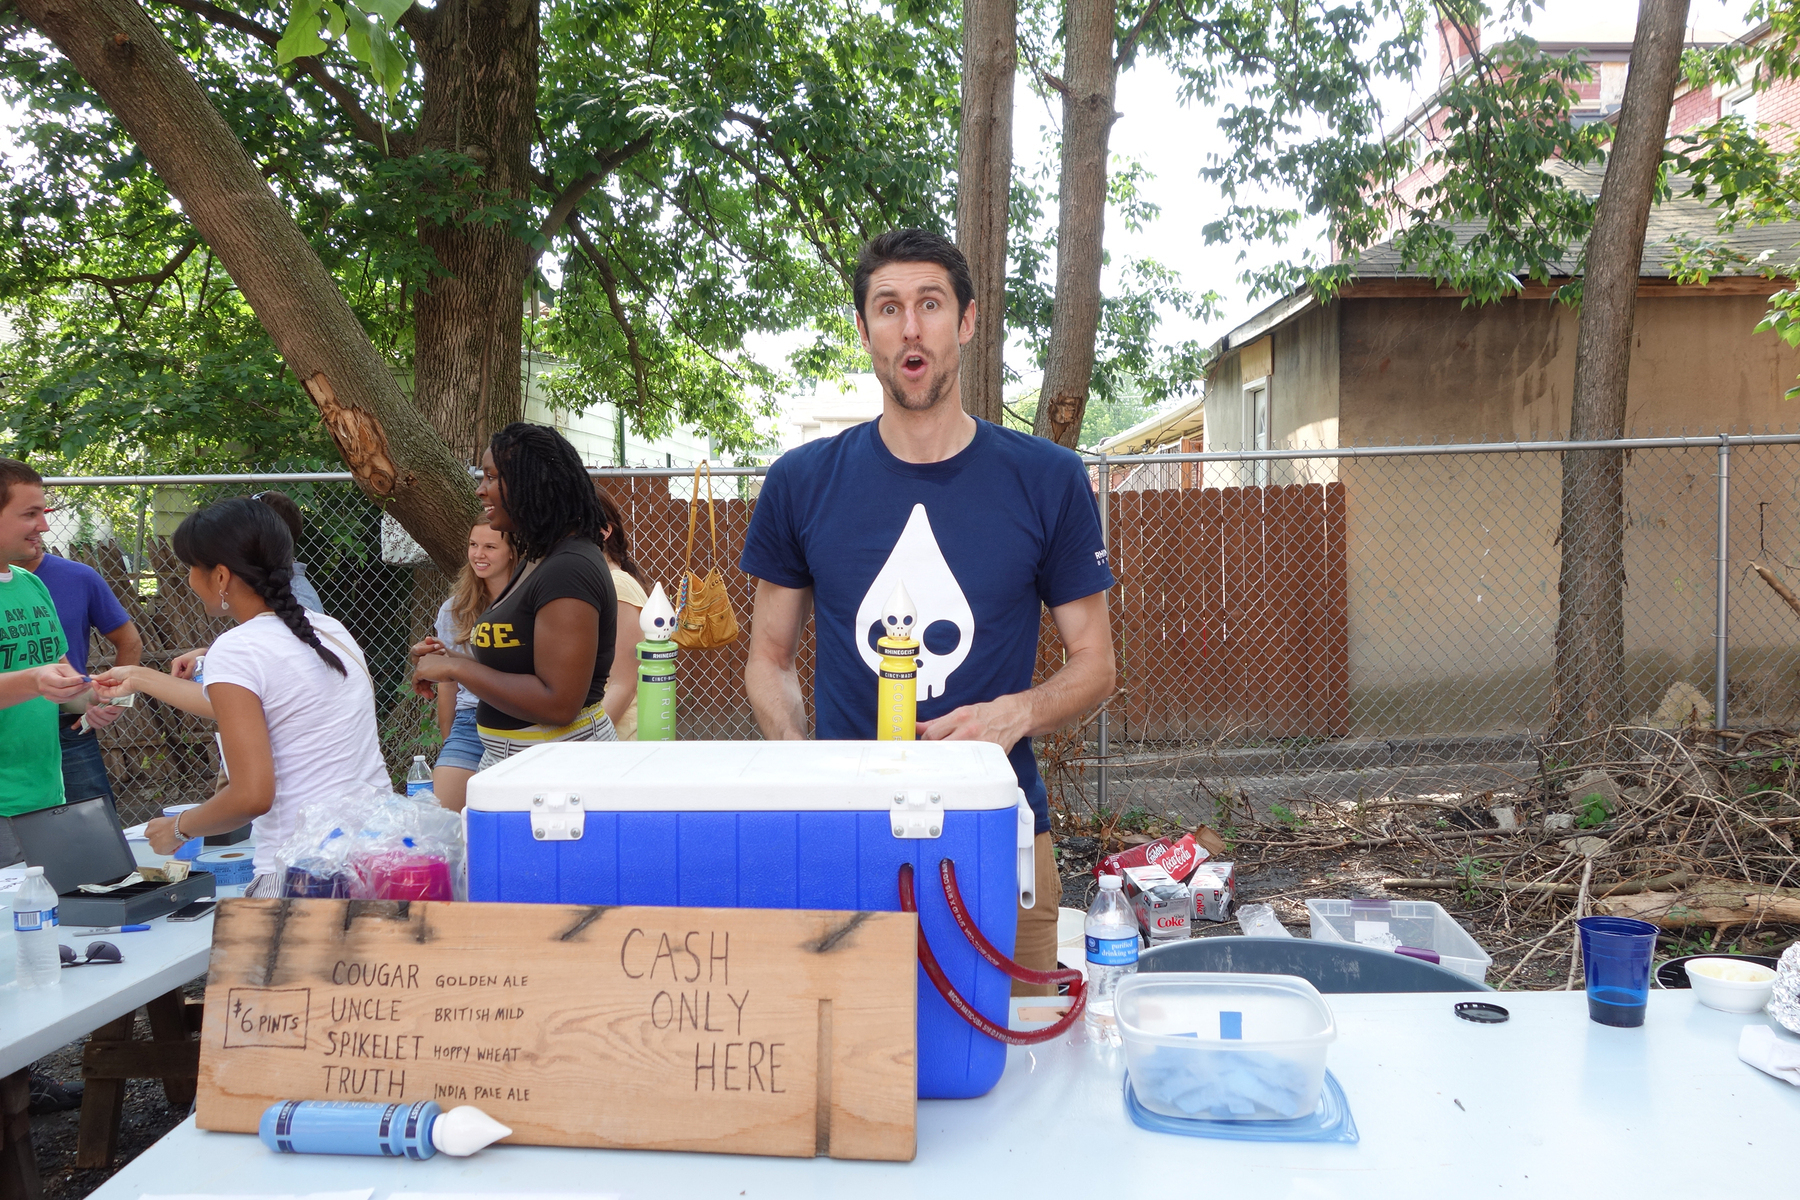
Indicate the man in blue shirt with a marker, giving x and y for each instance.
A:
(984, 526)
(84, 602)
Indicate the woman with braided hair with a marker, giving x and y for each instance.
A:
(543, 649)
(289, 688)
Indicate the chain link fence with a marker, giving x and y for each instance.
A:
(1345, 624)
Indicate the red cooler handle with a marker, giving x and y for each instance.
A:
(968, 1012)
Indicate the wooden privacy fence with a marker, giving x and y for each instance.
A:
(711, 699)
(1229, 619)
(1231, 615)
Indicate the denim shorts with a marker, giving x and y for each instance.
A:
(462, 749)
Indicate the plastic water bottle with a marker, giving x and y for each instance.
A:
(418, 778)
(34, 929)
(1112, 953)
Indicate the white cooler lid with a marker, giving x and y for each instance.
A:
(748, 776)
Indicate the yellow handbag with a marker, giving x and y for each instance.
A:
(703, 616)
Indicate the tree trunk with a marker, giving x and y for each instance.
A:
(480, 67)
(1087, 123)
(1588, 697)
(398, 460)
(983, 191)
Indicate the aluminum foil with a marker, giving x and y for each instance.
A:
(1784, 1005)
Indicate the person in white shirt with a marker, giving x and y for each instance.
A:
(484, 576)
(289, 688)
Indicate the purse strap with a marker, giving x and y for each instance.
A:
(345, 651)
(712, 520)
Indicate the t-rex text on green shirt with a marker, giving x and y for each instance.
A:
(30, 636)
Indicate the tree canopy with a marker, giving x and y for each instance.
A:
(701, 172)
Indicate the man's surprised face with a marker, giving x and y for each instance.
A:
(913, 333)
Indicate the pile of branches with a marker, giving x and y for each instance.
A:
(1693, 831)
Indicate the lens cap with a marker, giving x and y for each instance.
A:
(1481, 1012)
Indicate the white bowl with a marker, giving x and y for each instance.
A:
(1731, 995)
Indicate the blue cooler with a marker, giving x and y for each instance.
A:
(812, 825)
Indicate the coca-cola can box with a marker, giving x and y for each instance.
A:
(1177, 856)
(1211, 896)
(1161, 904)
(1227, 875)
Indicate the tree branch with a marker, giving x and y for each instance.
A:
(367, 127)
(155, 279)
(639, 368)
(1129, 45)
(564, 205)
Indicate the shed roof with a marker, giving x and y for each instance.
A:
(1678, 217)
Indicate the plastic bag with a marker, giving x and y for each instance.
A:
(409, 850)
(374, 845)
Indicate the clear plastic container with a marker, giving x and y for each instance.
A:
(1221, 1046)
(1417, 927)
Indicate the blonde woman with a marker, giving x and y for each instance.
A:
(620, 700)
(483, 577)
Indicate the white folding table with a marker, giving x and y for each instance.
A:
(1548, 1103)
(38, 1021)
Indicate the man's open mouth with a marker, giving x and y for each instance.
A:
(913, 363)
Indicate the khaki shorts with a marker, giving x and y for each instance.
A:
(1035, 945)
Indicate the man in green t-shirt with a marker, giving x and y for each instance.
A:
(34, 675)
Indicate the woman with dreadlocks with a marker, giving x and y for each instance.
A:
(290, 688)
(543, 649)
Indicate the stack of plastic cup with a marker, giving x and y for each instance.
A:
(1616, 954)
(410, 877)
(304, 884)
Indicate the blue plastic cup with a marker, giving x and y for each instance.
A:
(1616, 954)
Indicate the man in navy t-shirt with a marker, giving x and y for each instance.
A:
(84, 602)
(984, 526)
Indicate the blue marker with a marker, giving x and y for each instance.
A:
(415, 1131)
(111, 929)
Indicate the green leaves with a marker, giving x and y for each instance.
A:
(367, 29)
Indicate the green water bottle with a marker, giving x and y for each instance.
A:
(656, 669)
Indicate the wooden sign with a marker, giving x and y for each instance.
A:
(737, 1030)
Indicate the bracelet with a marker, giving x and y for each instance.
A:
(178, 836)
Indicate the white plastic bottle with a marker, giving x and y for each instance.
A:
(418, 778)
(34, 929)
(1112, 952)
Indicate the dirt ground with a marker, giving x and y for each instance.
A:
(147, 1117)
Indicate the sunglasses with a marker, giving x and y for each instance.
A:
(98, 954)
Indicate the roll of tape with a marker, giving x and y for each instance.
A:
(228, 867)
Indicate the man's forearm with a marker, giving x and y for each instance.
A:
(128, 645)
(16, 687)
(1085, 680)
(776, 700)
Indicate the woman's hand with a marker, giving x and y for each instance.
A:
(162, 836)
(430, 645)
(182, 665)
(119, 681)
(432, 668)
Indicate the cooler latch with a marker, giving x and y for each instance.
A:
(917, 815)
(557, 817)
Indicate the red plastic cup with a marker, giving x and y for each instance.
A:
(410, 877)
